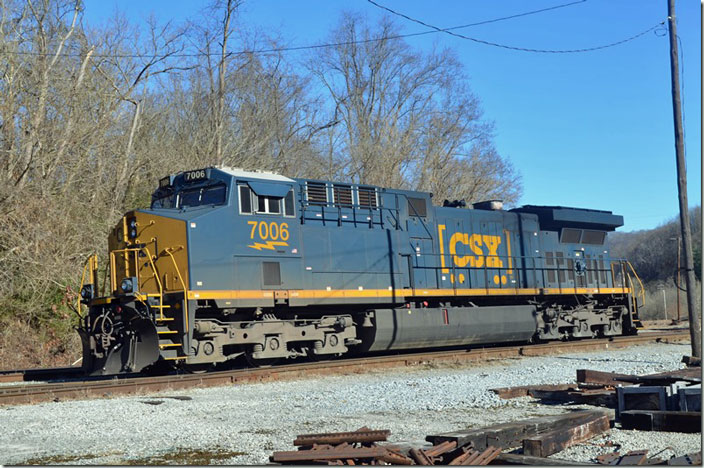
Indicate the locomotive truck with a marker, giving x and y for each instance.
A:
(229, 264)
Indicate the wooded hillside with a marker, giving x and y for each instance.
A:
(92, 116)
(653, 254)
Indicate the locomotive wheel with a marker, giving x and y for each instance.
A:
(160, 367)
(198, 368)
(253, 362)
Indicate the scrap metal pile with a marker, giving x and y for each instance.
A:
(539, 437)
(666, 401)
(360, 448)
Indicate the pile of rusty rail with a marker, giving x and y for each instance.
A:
(526, 442)
(539, 437)
(361, 448)
(666, 401)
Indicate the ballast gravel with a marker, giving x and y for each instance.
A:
(257, 419)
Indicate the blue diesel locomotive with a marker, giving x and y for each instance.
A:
(231, 264)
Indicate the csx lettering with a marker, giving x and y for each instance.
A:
(477, 244)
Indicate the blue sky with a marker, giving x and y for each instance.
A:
(591, 130)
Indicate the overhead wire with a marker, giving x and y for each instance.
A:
(312, 46)
(520, 49)
(504, 18)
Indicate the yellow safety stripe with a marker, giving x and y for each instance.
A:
(379, 293)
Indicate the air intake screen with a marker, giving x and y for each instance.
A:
(317, 193)
(367, 197)
(342, 194)
(416, 207)
(549, 265)
(593, 237)
(570, 236)
(272, 273)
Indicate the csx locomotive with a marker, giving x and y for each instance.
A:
(230, 264)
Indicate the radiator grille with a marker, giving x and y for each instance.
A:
(367, 197)
(317, 193)
(272, 273)
(342, 195)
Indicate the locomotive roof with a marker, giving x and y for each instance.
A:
(237, 172)
(556, 217)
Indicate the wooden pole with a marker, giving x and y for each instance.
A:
(679, 266)
(695, 326)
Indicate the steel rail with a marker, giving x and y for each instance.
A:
(35, 393)
(52, 373)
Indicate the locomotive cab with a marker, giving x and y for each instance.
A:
(200, 234)
(140, 312)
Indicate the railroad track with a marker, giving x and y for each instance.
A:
(54, 373)
(85, 389)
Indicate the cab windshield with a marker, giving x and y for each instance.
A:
(164, 199)
(198, 196)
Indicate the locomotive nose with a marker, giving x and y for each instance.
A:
(138, 322)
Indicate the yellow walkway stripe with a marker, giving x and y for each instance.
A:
(381, 293)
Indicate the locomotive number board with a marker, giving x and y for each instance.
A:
(195, 176)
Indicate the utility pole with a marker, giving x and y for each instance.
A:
(677, 276)
(695, 326)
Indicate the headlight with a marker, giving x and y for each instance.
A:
(87, 292)
(132, 231)
(126, 285)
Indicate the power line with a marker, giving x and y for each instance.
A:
(503, 18)
(521, 49)
(307, 47)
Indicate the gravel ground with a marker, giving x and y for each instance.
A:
(244, 424)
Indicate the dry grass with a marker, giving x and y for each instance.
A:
(184, 456)
(23, 347)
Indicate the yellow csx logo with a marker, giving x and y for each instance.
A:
(485, 249)
(475, 243)
(274, 234)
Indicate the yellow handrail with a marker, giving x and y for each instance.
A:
(92, 264)
(185, 289)
(136, 250)
(641, 291)
(158, 282)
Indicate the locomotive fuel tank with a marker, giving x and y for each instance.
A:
(407, 328)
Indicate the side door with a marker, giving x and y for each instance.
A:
(419, 227)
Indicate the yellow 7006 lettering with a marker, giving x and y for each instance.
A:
(275, 234)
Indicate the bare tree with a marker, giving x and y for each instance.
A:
(407, 119)
(91, 117)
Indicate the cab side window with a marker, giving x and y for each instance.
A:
(245, 199)
(251, 203)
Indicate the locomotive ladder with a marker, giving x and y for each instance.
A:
(170, 343)
(169, 340)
